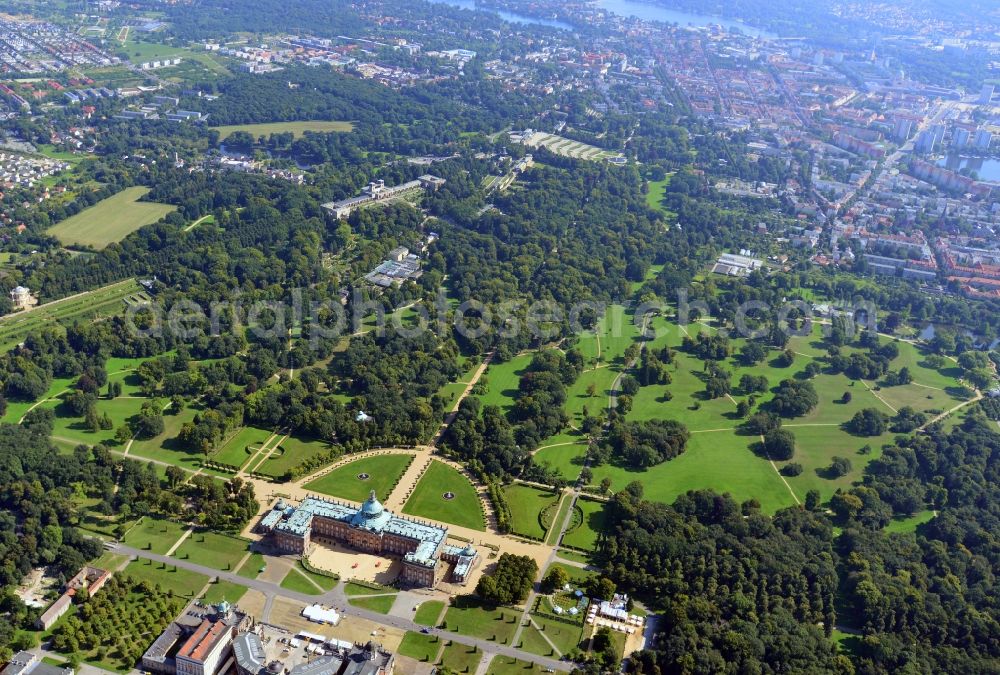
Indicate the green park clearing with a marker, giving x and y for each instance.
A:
(297, 129)
(428, 612)
(110, 220)
(171, 579)
(526, 506)
(590, 523)
(239, 448)
(346, 482)
(428, 501)
(289, 453)
(154, 535)
(218, 551)
(466, 617)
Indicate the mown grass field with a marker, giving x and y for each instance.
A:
(526, 505)
(383, 473)
(239, 448)
(154, 535)
(591, 524)
(466, 617)
(427, 500)
(296, 128)
(217, 551)
(110, 220)
(171, 579)
(291, 452)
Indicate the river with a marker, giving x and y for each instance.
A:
(988, 168)
(650, 12)
(633, 8)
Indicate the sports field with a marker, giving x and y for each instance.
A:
(110, 220)
(429, 498)
(355, 480)
(297, 128)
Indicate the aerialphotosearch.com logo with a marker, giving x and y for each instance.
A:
(333, 318)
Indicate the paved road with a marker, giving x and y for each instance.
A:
(338, 599)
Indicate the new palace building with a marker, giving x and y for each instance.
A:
(372, 529)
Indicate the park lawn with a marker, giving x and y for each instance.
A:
(374, 603)
(722, 461)
(173, 580)
(577, 575)
(351, 589)
(461, 658)
(655, 193)
(383, 471)
(565, 636)
(421, 647)
(218, 551)
(110, 219)
(296, 128)
(428, 613)
(815, 448)
(532, 641)
(154, 535)
(908, 524)
(17, 409)
(166, 447)
(914, 357)
(237, 450)
(564, 457)
(304, 581)
(291, 452)
(920, 397)
(68, 428)
(223, 590)
(688, 403)
(578, 398)
(591, 525)
(503, 380)
(450, 393)
(507, 665)
(252, 567)
(526, 505)
(830, 390)
(427, 500)
(466, 617)
(557, 517)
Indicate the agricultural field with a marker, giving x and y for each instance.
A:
(526, 505)
(110, 219)
(568, 147)
(296, 128)
(355, 480)
(107, 301)
(429, 501)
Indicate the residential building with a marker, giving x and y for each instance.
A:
(90, 578)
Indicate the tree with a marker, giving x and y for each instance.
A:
(123, 434)
(510, 582)
(846, 398)
(555, 579)
(868, 422)
(591, 390)
(779, 444)
(812, 500)
(840, 466)
(794, 398)
(792, 469)
(605, 485)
